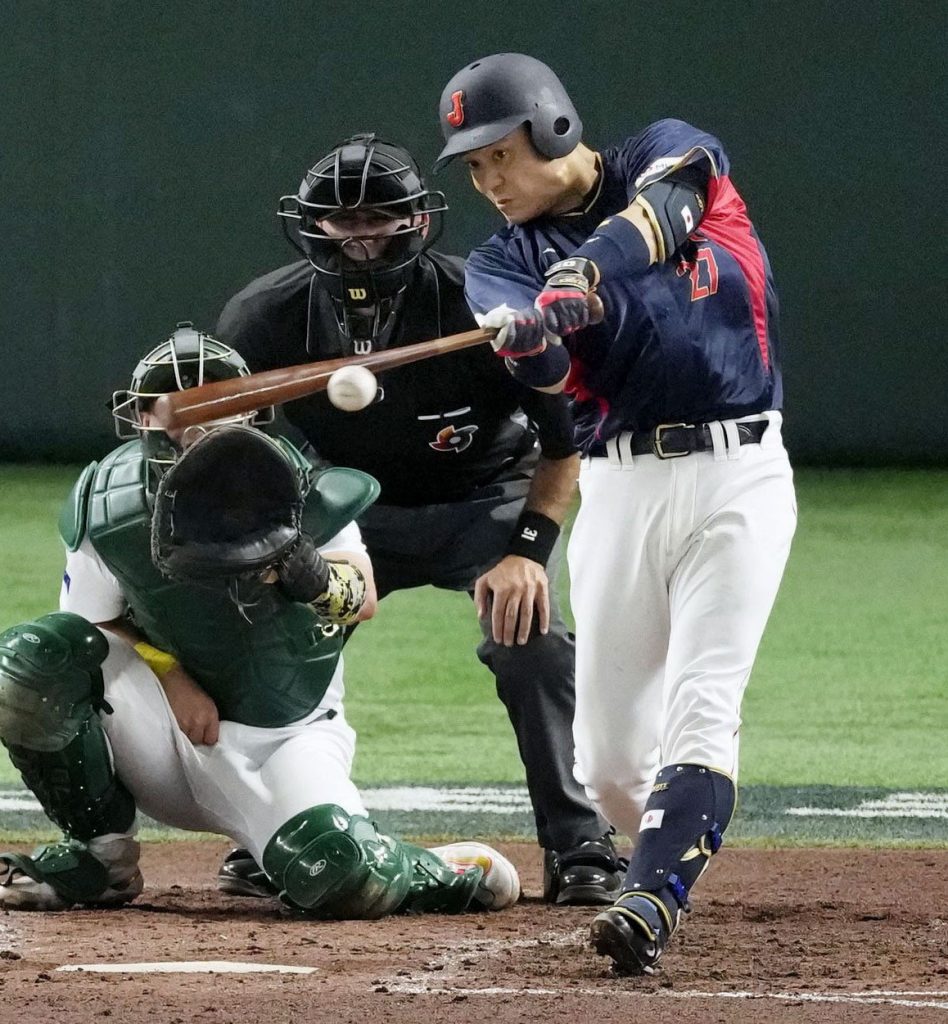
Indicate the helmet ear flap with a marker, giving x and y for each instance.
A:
(556, 130)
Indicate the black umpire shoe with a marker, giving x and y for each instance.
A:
(241, 875)
(634, 932)
(588, 874)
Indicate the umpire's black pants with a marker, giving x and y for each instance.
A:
(449, 546)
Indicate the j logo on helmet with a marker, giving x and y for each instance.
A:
(455, 116)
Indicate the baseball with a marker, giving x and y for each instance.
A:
(352, 388)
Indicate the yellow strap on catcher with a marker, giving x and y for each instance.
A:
(160, 662)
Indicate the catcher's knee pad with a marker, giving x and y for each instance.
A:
(337, 865)
(685, 817)
(50, 693)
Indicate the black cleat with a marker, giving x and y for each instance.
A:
(634, 932)
(241, 875)
(588, 874)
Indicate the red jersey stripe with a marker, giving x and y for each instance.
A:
(727, 223)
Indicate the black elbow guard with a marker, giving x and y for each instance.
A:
(674, 207)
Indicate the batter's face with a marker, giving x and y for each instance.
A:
(364, 234)
(520, 182)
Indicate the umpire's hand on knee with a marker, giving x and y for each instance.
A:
(520, 332)
(510, 593)
(194, 711)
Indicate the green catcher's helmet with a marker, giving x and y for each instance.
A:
(188, 359)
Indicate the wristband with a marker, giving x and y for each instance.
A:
(534, 536)
(160, 662)
(577, 273)
(543, 370)
(618, 249)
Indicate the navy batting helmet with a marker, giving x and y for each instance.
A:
(493, 96)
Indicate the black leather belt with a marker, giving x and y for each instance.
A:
(672, 440)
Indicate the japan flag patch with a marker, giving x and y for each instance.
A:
(652, 819)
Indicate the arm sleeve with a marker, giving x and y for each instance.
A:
(494, 276)
(554, 423)
(89, 589)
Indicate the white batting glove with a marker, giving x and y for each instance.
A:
(520, 332)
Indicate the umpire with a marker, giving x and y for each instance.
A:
(476, 470)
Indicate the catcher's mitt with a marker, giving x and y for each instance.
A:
(229, 508)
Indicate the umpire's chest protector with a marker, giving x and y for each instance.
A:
(266, 661)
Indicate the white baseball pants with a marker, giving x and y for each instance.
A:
(246, 785)
(674, 568)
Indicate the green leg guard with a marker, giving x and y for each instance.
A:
(103, 872)
(337, 865)
(51, 691)
(68, 867)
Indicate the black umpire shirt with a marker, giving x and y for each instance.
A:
(443, 427)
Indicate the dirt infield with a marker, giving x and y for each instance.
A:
(776, 936)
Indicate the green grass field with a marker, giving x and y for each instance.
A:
(850, 686)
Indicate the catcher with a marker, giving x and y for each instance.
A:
(195, 672)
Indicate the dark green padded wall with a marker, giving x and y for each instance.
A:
(144, 148)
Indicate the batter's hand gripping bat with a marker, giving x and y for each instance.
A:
(226, 398)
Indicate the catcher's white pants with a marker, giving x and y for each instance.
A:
(246, 785)
(674, 568)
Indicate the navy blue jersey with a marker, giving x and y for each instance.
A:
(692, 339)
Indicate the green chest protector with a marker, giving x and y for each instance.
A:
(265, 660)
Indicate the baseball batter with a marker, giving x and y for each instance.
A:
(212, 706)
(687, 504)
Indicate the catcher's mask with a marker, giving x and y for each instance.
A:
(373, 189)
(187, 359)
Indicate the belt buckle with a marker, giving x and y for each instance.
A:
(657, 447)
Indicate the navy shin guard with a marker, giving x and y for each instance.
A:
(687, 812)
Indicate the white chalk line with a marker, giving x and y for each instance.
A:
(483, 799)
(514, 800)
(860, 998)
(479, 950)
(895, 805)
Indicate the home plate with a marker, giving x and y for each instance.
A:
(189, 967)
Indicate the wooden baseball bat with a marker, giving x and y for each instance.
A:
(273, 387)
